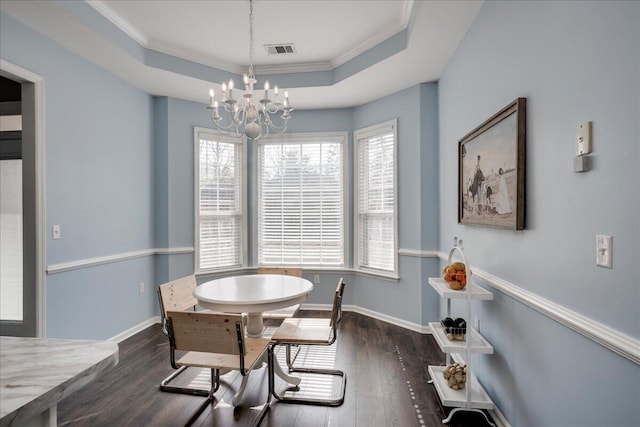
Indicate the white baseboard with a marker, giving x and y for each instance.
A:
(135, 329)
(373, 314)
(498, 418)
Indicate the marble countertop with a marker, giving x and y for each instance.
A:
(37, 373)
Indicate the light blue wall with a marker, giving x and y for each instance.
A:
(415, 109)
(574, 62)
(429, 207)
(99, 181)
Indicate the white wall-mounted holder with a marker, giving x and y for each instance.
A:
(582, 140)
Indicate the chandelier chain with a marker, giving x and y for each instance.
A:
(251, 39)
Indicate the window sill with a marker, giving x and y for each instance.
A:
(210, 275)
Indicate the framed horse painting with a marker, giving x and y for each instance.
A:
(491, 170)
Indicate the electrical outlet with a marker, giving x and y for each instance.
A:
(604, 250)
(141, 287)
(316, 278)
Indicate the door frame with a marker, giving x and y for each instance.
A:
(20, 74)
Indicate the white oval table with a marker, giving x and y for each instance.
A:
(253, 294)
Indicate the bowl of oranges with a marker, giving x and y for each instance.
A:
(455, 275)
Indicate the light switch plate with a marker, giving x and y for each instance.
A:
(55, 232)
(604, 250)
(583, 139)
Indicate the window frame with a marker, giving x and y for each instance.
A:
(359, 135)
(310, 137)
(198, 132)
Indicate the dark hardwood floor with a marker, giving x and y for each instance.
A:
(386, 368)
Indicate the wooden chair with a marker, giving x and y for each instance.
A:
(287, 312)
(309, 331)
(214, 341)
(177, 295)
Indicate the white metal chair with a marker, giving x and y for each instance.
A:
(309, 331)
(214, 341)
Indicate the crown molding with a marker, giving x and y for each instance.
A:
(368, 44)
(407, 9)
(116, 19)
(166, 48)
(384, 34)
(189, 55)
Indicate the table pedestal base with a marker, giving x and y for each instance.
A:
(254, 325)
(277, 369)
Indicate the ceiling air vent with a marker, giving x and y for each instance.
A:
(280, 49)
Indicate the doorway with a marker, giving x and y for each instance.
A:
(21, 206)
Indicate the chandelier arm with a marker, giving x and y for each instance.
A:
(273, 108)
(278, 127)
(230, 130)
(222, 128)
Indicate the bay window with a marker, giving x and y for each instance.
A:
(219, 201)
(375, 199)
(300, 200)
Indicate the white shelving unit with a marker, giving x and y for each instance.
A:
(472, 398)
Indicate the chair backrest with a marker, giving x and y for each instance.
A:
(287, 271)
(206, 332)
(336, 312)
(177, 295)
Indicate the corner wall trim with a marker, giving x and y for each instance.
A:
(92, 262)
(616, 341)
(418, 253)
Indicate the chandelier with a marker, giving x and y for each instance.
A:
(247, 115)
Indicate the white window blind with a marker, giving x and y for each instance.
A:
(219, 204)
(300, 200)
(376, 198)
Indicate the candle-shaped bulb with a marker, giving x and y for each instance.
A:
(245, 78)
(286, 94)
(211, 93)
(266, 85)
(275, 89)
(224, 87)
(230, 85)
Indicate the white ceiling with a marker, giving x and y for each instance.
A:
(326, 34)
(323, 31)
